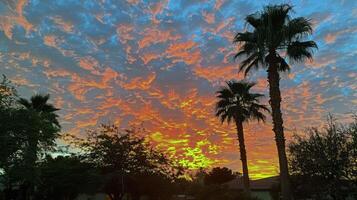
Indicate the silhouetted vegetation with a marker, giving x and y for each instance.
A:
(65, 177)
(127, 164)
(28, 132)
(324, 162)
(219, 175)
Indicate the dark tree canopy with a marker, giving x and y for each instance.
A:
(126, 161)
(324, 162)
(219, 175)
(64, 177)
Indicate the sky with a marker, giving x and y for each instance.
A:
(159, 63)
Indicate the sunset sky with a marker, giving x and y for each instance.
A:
(159, 63)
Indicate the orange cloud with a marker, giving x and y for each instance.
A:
(15, 18)
(218, 73)
(57, 73)
(209, 17)
(64, 25)
(90, 64)
(52, 41)
(142, 83)
(134, 2)
(147, 57)
(80, 85)
(92, 121)
(124, 32)
(157, 9)
(218, 4)
(154, 36)
(331, 37)
(187, 52)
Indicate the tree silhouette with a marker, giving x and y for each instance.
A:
(123, 158)
(323, 160)
(236, 103)
(274, 36)
(219, 175)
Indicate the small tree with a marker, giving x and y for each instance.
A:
(123, 157)
(219, 175)
(324, 161)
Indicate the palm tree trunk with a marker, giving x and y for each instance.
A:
(243, 157)
(275, 100)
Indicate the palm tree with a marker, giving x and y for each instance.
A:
(236, 103)
(42, 133)
(39, 106)
(39, 103)
(273, 38)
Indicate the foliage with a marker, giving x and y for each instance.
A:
(124, 158)
(272, 33)
(235, 102)
(25, 137)
(64, 177)
(219, 175)
(324, 162)
(8, 93)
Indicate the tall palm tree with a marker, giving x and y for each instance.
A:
(272, 38)
(236, 103)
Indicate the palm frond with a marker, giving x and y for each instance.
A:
(275, 16)
(25, 103)
(297, 28)
(253, 20)
(283, 65)
(299, 51)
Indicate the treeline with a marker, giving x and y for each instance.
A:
(106, 160)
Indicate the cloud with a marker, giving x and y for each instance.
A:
(15, 17)
(153, 35)
(184, 52)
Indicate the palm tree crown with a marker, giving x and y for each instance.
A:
(274, 33)
(39, 103)
(237, 103)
